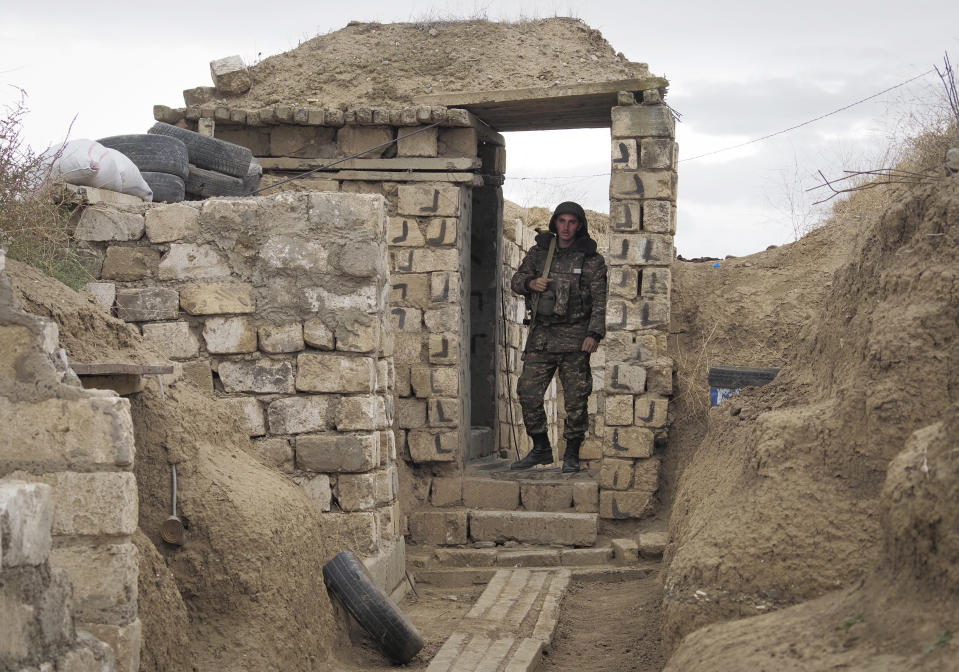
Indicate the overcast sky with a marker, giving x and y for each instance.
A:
(737, 71)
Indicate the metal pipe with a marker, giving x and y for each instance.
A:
(173, 478)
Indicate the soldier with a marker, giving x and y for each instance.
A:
(569, 320)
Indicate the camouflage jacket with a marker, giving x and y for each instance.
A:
(578, 275)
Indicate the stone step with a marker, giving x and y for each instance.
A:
(549, 494)
(509, 625)
(453, 527)
(454, 577)
(509, 556)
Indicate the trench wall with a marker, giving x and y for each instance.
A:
(68, 508)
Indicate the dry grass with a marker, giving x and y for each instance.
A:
(34, 217)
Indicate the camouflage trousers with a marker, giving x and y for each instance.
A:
(576, 379)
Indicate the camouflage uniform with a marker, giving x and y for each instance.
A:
(555, 341)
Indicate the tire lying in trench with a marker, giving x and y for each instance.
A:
(152, 153)
(207, 183)
(166, 188)
(209, 153)
(389, 627)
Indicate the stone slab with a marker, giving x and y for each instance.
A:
(567, 529)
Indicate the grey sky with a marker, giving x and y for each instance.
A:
(738, 70)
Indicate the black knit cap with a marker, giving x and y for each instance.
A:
(570, 208)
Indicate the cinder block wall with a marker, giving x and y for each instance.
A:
(275, 306)
(638, 373)
(71, 450)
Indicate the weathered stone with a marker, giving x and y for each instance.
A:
(258, 375)
(104, 293)
(104, 580)
(229, 335)
(318, 335)
(129, 263)
(466, 557)
(539, 557)
(428, 200)
(619, 409)
(457, 142)
(546, 496)
(168, 223)
(107, 224)
(199, 95)
(427, 446)
(586, 496)
(26, 516)
(319, 489)
(624, 155)
(174, 340)
(642, 184)
(124, 640)
(652, 545)
(616, 474)
(660, 378)
(445, 288)
(578, 557)
(404, 232)
(650, 412)
(410, 289)
(274, 452)
(439, 320)
(659, 217)
(304, 141)
(199, 375)
(625, 551)
(408, 347)
(629, 442)
(444, 412)
(385, 488)
(361, 413)
(321, 372)
(416, 142)
(353, 140)
(441, 231)
(446, 491)
(280, 338)
(217, 298)
(626, 378)
(490, 493)
(359, 527)
(354, 492)
(363, 260)
(430, 381)
(230, 75)
(642, 120)
(186, 261)
(626, 216)
(657, 153)
(567, 529)
(655, 282)
(334, 453)
(406, 319)
(619, 505)
(359, 335)
(410, 413)
(248, 413)
(296, 415)
(438, 527)
(444, 349)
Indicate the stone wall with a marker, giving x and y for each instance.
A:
(638, 373)
(276, 306)
(71, 453)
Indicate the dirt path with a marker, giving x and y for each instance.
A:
(610, 625)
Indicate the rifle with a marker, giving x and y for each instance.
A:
(544, 276)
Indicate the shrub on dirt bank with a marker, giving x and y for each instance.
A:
(781, 501)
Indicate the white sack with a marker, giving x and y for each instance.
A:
(90, 164)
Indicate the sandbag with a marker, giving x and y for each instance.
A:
(90, 164)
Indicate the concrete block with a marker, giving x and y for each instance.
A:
(429, 200)
(652, 545)
(274, 452)
(624, 282)
(229, 335)
(586, 496)
(624, 154)
(297, 415)
(621, 505)
(629, 442)
(546, 496)
(580, 557)
(261, 375)
(217, 298)
(186, 261)
(248, 413)
(125, 641)
(404, 232)
(438, 527)
(281, 338)
(354, 492)
(337, 453)
(106, 224)
(361, 413)
(491, 493)
(171, 222)
(426, 446)
(567, 529)
(88, 433)
(627, 216)
(129, 263)
(230, 75)
(625, 551)
(410, 289)
(104, 580)
(625, 378)
(174, 340)
(643, 120)
(321, 372)
(457, 142)
(650, 411)
(353, 140)
(423, 143)
(642, 184)
(317, 335)
(446, 491)
(319, 489)
(632, 249)
(26, 518)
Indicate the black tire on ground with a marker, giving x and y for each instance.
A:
(208, 183)
(153, 153)
(252, 180)
(166, 188)
(735, 377)
(389, 627)
(209, 153)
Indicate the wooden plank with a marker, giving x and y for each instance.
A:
(108, 369)
(419, 164)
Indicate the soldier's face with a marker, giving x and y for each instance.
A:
(566, 228)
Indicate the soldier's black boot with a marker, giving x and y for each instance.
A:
(542, 453)
(571, 456)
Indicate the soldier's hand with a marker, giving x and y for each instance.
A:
(539, 284)
(589, 344)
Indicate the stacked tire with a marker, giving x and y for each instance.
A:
(215, 167)
(163, 162)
